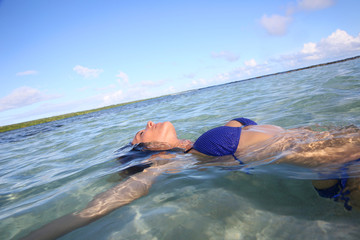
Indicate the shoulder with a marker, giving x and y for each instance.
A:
(233, 123)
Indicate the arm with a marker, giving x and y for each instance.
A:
(318, 154)
(104, 203)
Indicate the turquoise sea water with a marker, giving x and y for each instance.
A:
(52, 169)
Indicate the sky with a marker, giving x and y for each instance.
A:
(65, 56)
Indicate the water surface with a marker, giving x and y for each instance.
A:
(52, 169)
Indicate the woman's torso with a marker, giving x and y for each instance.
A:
(255, 134)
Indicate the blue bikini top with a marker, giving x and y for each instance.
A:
(222, 140)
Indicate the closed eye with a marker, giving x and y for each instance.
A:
(139, 134)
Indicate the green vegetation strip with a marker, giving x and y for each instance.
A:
(59, 117)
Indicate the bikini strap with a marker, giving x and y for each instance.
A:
(342, 194)
(241, 162)
(245, 121)
(188, 150)
(337, 192)
(343, 181)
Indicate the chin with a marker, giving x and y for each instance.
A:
(168, 125)
(170, 129)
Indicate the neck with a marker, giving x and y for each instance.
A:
(184, 144)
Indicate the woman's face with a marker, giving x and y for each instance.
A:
(160, 132)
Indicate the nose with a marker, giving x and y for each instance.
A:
(149, 124)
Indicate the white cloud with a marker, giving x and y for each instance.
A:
(309, 48)
(315, 4)
(152, 83)
(113, 97)
(201, 82)
(123, 78)
(250, 69)
(250, 63)
(216, 79)
(275, 24)
(339, 43)
(135, 91)
(29, 72)
(23, 96)
(130, 93)
(87, 72)
(222, 77)
(170, 89)
(228, 56)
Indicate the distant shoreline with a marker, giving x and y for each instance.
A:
(60, 117)
(69, 115)
(289, 71)
(312, 66)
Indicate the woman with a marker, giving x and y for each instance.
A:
(241, 135)
(244, 142)
(235, 136)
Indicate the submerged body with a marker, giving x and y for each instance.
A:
(300, 146)
(248, 142)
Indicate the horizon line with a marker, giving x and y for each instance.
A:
(14, 126)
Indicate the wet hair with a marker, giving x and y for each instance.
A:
(131, 152)
(133, 155)
(155, 147)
